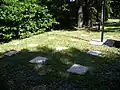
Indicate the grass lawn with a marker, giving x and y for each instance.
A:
(104, 71)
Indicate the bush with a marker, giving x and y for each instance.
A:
(23, 19)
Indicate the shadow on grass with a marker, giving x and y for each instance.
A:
(110, 29)
(112, 24)
(19, 74)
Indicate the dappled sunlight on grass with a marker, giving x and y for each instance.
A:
(22, 74)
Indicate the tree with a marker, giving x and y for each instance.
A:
(115, 8)
(87, 9)
(82, 12)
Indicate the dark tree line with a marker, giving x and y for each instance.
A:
(23, 18)
(115, 4)
(81, 13)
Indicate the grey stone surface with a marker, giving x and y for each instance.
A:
(95, 53)
(11, 52)
(72, 0)
(109, 42)
(38, 60)
(78, 69)
(97, 42)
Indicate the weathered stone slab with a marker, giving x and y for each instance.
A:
(97, 42)
(11, 52)
(72, 0)
(38, 60)
(95, 53)
(78, 69)
(112, 43)
(109, 42)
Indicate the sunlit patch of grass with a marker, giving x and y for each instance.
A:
(113, 20)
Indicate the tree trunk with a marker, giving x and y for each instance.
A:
(87, 14)
(80, 17)
(90, 23)
(98, 19)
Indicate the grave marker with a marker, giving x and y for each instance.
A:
(97, 42)
(78, 69)
(11, 52)
(95, 53)
(38, 60)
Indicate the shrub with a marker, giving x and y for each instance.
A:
(23, 19)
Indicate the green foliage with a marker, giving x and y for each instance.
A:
(23, 19)
(94, 14)
(115, 7)
(61, 10)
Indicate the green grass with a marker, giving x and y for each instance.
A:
(103, 74)
(113, 20)
(113, 25)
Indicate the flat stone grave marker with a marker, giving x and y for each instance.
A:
(72, 0)
(97, 42)
(78, 69)
(59, 48)
(38, 60)
(40, 64)
(95, 53)
(11, 52)
(109, 42)
(112, 43)
(116, 44)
